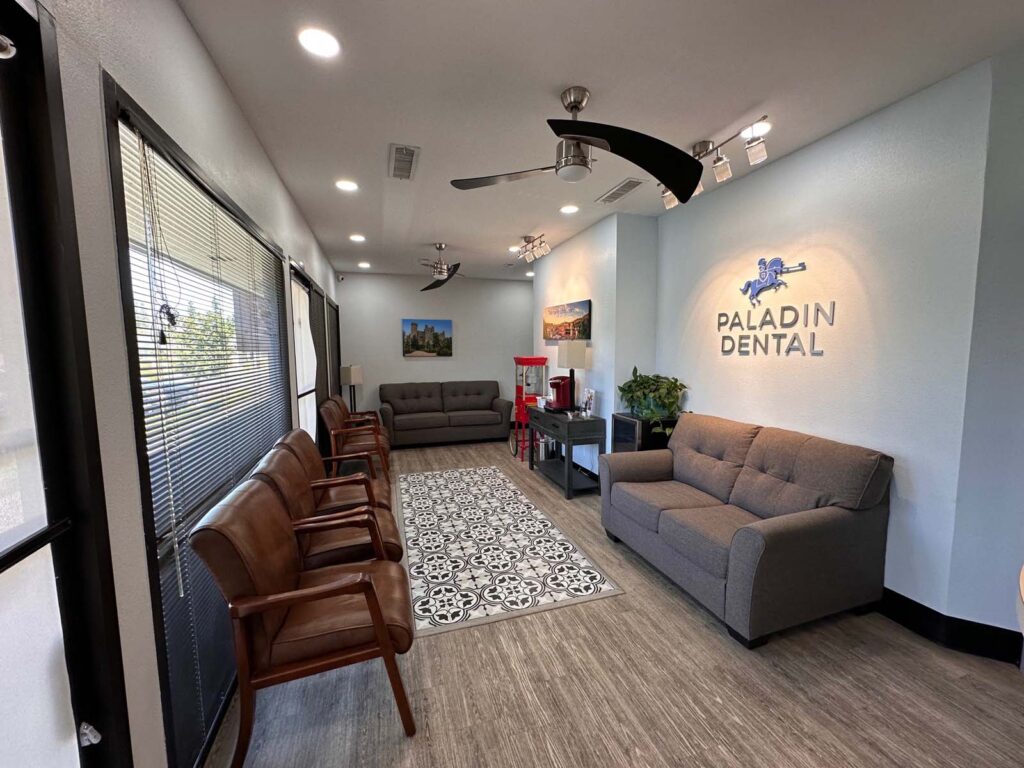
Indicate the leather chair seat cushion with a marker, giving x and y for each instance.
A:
(644, 502)
(341, 497)
(473, 418)
(347, 545)
(339, 623)
(704, 535)
(424, 420)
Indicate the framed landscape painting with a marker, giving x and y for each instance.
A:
(567, 321)
(426, 338)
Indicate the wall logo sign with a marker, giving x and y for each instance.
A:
(768, 277)
(788, 330)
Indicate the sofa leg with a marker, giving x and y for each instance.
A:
(750, 645)
(615, 539)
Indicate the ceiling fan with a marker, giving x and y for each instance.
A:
(442, 270)
(674, 168)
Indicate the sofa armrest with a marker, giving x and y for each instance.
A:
(794, 568)
(504, 407)
(387, 417)
(634, 467)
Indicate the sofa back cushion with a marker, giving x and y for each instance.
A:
(708, 452)
(413, 397)
(790, 472)
(469, 395)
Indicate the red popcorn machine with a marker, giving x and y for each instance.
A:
(531, 380)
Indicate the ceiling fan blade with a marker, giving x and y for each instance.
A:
(677, 170)
(438, 283)
(501, 178)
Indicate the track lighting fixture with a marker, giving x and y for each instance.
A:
(669, 200)
(721, 167)
(533, 248)
(757, 151)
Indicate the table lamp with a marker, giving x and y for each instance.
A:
(351, 375)
(572, 355)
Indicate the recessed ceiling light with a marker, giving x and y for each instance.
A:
(513, 249)
(567, 209)
(757, 130)
(529, 274)
(319, 42)
(345, 185)
(357, 238)
(363, 265)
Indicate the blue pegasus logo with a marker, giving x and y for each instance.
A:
(768, 276)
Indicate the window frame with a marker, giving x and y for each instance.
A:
(121, 107)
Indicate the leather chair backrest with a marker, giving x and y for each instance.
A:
(247, 543)
(282, 471)
(301, 444)
(708, 452)
(412, 397)
(468, 395)
(790, 472)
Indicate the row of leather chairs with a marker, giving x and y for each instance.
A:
(308, 560)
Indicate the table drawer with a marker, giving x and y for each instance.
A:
(548, 423)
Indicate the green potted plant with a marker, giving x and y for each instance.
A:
(653, 398)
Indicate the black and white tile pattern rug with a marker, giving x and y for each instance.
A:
(478, 550)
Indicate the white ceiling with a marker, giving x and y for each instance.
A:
(472, 81)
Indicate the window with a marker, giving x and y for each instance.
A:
(205, 316)
(305, 358)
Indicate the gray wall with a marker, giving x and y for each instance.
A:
(152, 51)
(490, 325)
(887, 215)
(988, 543)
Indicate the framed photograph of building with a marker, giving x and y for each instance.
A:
(426, 338)
(567, 321)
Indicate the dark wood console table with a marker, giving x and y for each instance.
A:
(569, 433)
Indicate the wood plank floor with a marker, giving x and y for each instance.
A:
(647, 678)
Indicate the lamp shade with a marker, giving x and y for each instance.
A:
(572, 354)
(351, 374)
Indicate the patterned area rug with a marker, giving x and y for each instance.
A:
(479, 551)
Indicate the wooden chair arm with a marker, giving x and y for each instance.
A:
(354, 419)
(359, 478)
(342, 520)
(338, 514)
(366, 414)
(354, 431)
(366, 456)
(355, 583)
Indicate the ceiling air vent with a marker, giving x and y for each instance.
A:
(402, 161)
(619, 191)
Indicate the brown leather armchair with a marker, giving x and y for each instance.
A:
(320, 471)
(355, 416)
(290, 622)
(283, 472)
(348, 438)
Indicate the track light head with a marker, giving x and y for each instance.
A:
(668, 199)
(757, 151)
(721, 167)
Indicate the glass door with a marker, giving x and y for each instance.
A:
(62, 699)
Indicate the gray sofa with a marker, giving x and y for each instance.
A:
(766, 528)
(453, 411)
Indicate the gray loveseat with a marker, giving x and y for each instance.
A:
(454, 411)
(766, 528)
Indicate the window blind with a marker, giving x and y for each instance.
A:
(208, 301)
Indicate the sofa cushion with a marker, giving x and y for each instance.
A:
(790, 472)
(468, 395)
(473, 418)
(708, 452)
(643, 502)
(703, 535)
(431, 420)
(413, 397)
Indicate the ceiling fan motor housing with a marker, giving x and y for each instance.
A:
(572, 160)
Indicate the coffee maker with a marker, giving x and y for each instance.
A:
(562, 390)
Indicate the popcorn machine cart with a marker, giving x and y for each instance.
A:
(531, 380)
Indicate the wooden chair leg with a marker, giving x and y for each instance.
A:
(246, 711)
(404, 710)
